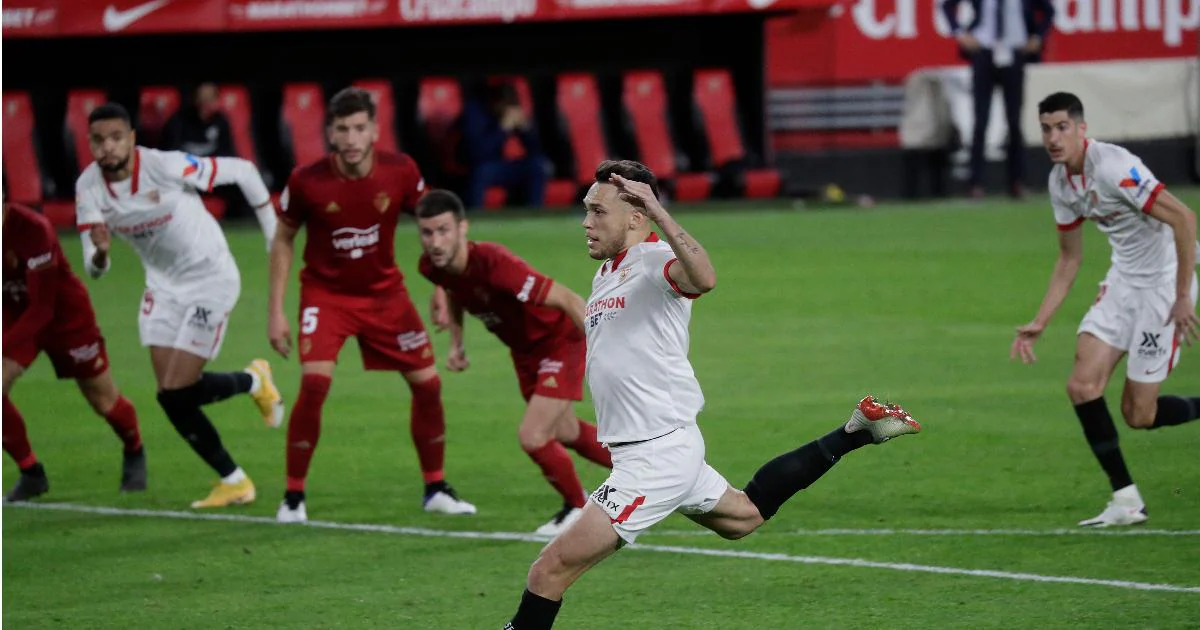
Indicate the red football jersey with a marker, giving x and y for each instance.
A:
(351, 223)
(30, 244)
(507, 295)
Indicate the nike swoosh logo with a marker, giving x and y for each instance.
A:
(118, 20)
(760, 4)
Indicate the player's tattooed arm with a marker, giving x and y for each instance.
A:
(695, 273)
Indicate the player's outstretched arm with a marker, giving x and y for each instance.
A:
(1070, 257)
(96, 241)
(567, 301)
(232, 170)
(694, 273)
(1170, 210)
(283, 249)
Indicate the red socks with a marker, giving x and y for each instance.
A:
(304, 427)
(16, 442)
(123, 420)
(587, 446)
(559, 470)
(428, 425)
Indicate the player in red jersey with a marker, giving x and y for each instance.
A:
(540, 320)
(350, 203)
(47, 309)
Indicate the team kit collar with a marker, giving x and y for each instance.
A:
(616, 260)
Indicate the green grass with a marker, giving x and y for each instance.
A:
(814, 309)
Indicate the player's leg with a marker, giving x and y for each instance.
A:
(537, 437)
(33, 481)
(304, 428)
(740, 512)
(582, 546)
(392, 337)
(1153, 354)
(102, 394)
(570, 361)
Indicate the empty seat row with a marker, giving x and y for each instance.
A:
(578, 119)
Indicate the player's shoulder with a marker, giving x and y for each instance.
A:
(27, 221)
(394, 161)
(89, 178)
(1109, 157)
(315, 170)
(490, 251)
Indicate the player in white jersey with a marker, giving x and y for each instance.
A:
(151, 200)
(647, 398)
(1147, 301)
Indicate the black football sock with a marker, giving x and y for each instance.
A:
(792, 472)
(36, 470)
(535, 613)
(1173, 410)
(182, 407)
(1101, 435)
(293, 498)
(217, 386)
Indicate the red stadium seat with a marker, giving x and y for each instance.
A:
(645, 103)
(235, 103)
(156, 105)
(303, 122)
(439, 106)
(80, 104)
(713, 96)
(60, 212)
(579, 111)
(385, 111)
(21, 167)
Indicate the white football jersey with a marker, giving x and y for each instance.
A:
(1117, 191)
(159, 212)
(641, 381)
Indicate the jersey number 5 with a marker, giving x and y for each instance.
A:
(308, 320)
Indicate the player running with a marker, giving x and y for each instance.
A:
(151, 200)
(47, 309)
(1147, 301)
(350, 203)
(647, 398)
(540, 320)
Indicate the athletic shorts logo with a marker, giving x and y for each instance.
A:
(410, 341)
(200, 318)
(84, 354)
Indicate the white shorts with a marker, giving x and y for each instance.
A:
(190, 317)
(652, 479)
(1133, 319)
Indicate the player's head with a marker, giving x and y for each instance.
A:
(352, 130)
(611, 223)
(111, 136)
(1063, 126)
(442, 224)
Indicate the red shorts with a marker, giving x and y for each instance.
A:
(390, 333)
(555, 372)
(72, 341)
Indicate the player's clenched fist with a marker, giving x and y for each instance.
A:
(457, 361)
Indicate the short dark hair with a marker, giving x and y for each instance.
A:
(440, 201)
(110, 111)
(1062, 102)
(629, 169)
(351, 101)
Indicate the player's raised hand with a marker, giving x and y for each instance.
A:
(1022, 346)
(1187, 324)
(280, 334)
(457, 361)
(439, 310)
(640, 195)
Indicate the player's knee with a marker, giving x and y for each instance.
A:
(1083, 390)
(12, 371)
(547, 574)
(174, 401)
(101, 396)
(1139, 416)
(533, 437)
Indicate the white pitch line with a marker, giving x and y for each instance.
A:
(694, 551)
(1081, 531)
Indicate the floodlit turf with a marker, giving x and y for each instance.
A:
(814, 309)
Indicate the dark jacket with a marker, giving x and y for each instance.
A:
(1039, 17)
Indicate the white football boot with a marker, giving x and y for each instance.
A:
(883, 420)
(288, 515)
(560, 522)
(446, 501)
(1126, 508)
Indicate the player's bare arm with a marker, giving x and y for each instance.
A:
(283, 248)
(457, 360)
(567, 301)
(694, 273)
(439, 309)
(1170, 210)
(96, 243)
(1070, 257)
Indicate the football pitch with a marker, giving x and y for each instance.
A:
(969, 524)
